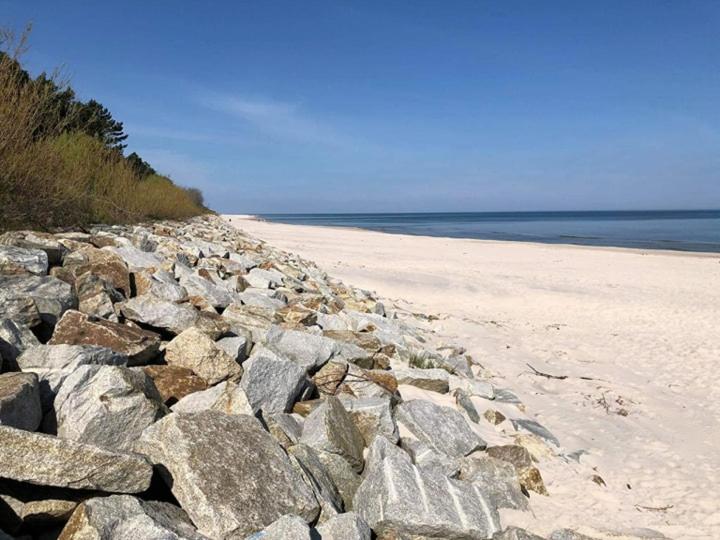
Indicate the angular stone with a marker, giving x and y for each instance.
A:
(372, 416)
(237, 347)
(473, 387)
(304, 408)
(496, 478)
(159, 313)
(15, 338)
(47, 511)
(194, 350)
(216, 296)
(20, 401)
(227, 397)
(285, 428)
(54, 250)
(520, 458)
(255, 298)
(96, 297)
(330, 428)
(99, 263)
(51, 461)
(366, 383)
(272, 384)
(51, 296)
(137, 259)
(494, 417)
(462, 400)
(442, 428)
(75, 328)
(68, 357)
(17, 260)
(160, 284)
(212, 325)
(174, 382)
(435, 380)
(284, 528)
(122, 517)
(107, 406)
(210, 461)
(398, 498)
(318, 478)
(429, 460)
(20, 309)
(264, 279)
(346, 480)
(515, 533)
(330, 377)
(349, 526)
(536, 429)
(254, 319)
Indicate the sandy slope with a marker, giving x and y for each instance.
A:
(643, 325)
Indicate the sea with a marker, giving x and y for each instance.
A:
(681, 230)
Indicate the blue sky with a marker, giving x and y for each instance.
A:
(384, 106)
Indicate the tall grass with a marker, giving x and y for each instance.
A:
(50, 177)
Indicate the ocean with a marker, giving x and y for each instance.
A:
(682, 230)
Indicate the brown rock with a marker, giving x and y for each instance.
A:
(529, 476)
(494, 417)
(75, 328)
(330, 377)
(304, 408)
(174, 382)
(193, 349)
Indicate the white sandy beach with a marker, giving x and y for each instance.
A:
(641, 327)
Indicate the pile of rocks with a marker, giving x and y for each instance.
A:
(183, 380)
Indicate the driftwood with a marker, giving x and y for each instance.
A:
(558, 377)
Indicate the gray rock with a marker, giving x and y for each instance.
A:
(398, 498)
(248, 262)
(108, 406)
(497, 479)
(51, 296)
(462, 398)
(346, 480)
(372, 416)
(515, 533)
(569, 534)
(215, 295)
(286, 428)
(20, 401)
(159, 313)
(329, 428)
(314, 473)
(458, 365)
(15, 338)
(349, 526)
(194, 350)
(256, 320)
(536, 429)
(51, 461)
(284, 528)
(264, 279)
(442, 428)
(122, 517)
(191, 450)
(21, 309)
(435, 380)
(227, 397)
(17, 260)
(252, 298)
(272, 384)
(160, 284)
(427, 459)
(54, 250)
(473, 387)
(96, 296)
(237, 347)
(137, 259)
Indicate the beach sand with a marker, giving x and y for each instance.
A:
(636, 333)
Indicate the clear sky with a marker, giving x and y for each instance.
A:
(381, 106)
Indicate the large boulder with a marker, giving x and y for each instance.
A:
(228, 397)
(100, 263)
(211, 462)
(497, 479)
(123, 517)
(160, 284)
(174, 382)
(255, 319)
(194, 350)
(51, 461)
(97, 297)
(398, 498)
(75, 328)
(217, 296)
(159, 313)
(264, 279)
(284, 528)
(17, 260)
(436, 380)
(46, 242)
(137, 259)
(51, 297)
(329, 428)
(20, 401)
(442, 428)
(347, 526)
(107, 406)
(272, 384)
(372, 416)
(15, 338)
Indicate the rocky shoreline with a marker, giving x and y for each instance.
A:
(185, 380)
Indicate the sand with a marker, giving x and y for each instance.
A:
(641, 327)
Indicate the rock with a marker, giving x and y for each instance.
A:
(212, 325)
(75, 328)
(194, 350)
(285, 428)
(330, 377)
(272, 384)
(473, 387)
(429, 460)
(304, 408)
(218, 297)
(496, 478)
(122, 517)
(494, 417)
(160, 284)
(53, 249)
(367, 383)
(569, 534)
(253, 298)
(20, 309)
(174, 382)
(264, 279)
(435, 380)
(462, 399)
(227, 397)
(347, 526)
(47, 511)
(515, 533)
(15, 338)
(51, 297)
(159, 313)
(520, 458)
(136, 259)
(100, 263)
(237, 347)
(346, 480)
(107, 406)
(96, 297)
(51, 461)
(17, 260)
(20, 401)
(313, 470)
(536, 429)
(329, 428)
(442, 428)
(372, 416)
(257, 320)
(397, 498)
(307, 350)
(284, 528)
(190, 450)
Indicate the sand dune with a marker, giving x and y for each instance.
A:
(637, 333)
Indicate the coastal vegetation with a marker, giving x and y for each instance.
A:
(62, 160)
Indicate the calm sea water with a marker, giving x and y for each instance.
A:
(696, 230)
